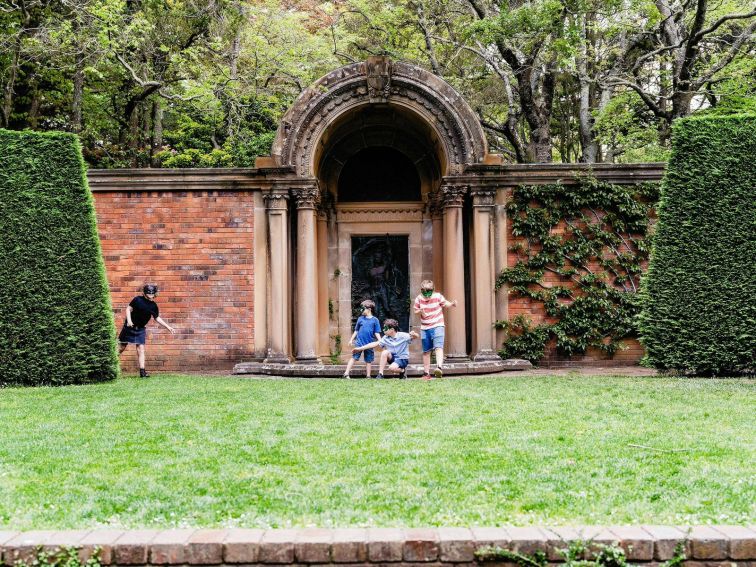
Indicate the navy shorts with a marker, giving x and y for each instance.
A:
(132, 335)
(400, 362)
(433, 338)
(369, 355)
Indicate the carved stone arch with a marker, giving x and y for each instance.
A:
(383, 83)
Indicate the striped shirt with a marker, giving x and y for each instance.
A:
(431, 310)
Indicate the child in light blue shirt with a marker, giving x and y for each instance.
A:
(395, 346)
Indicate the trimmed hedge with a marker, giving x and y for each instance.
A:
(56, 323)
(699, 293)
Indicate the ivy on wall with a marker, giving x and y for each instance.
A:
(592, 236)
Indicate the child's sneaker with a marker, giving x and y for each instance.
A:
(426, 376)
(346, 375)
(143, 373)
(438, 373)
(379, 376)
(402, 374)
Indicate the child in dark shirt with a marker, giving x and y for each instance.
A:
(139, 312)
(366, 331)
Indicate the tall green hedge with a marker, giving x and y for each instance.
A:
(699, 293)
(56, 323)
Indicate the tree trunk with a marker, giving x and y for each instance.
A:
(157, 131)
(78, 94)
(585, 119)
(9, 87)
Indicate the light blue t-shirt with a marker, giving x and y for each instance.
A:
(397, 345)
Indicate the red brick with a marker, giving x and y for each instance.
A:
(277, 546)
(455, 545)
(23, 547)
(527, 540)
(742, 542)
(169, 547)
(708, 543)
(420, 544)
(132, 548)
(385, 545)
(637, 543)
(205, 547)
(666, 539)
(242, 545)
(349, 545)
(104, 540)
(313, 545)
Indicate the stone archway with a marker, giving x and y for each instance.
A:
(377, 106)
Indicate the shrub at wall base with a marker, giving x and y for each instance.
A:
(699, 294)
(56, 323)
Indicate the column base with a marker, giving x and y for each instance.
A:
(452, 357)
(277, 358)
(308, 360)
(485, 356)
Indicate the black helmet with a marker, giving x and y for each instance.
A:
(150, 289)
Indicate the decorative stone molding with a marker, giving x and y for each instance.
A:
(453, 195)
(709, 546)
(307, 198)
(276, 200)
(385, 212)
(483, 197)
(378, 79)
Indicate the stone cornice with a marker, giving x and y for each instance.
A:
(204, 179)
(537, 173)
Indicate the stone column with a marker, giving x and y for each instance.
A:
(306, 339)
(277, 203)
(454, 272)
(483, 278)
(437, 220)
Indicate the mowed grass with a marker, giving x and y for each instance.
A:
(215, 451)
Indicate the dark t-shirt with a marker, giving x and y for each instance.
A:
(142, 310)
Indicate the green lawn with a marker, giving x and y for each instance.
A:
(216, 451)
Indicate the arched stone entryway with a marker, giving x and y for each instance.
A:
(416, 136)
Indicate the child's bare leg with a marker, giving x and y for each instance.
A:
(122, 347)
(439, 357)
(384, 359)
(349, 365)
(394, 367)
(140, 354)
(426, 362)
(368, 365)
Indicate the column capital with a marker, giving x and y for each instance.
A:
(276, 200)
(307, 197)
(453, 195)
(483, 197)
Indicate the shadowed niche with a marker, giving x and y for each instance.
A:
(379, 174)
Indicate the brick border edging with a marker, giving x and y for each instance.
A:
(707, 545)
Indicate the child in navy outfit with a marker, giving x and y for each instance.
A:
(366, 331)
(139, 312)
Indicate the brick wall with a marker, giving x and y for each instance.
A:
(535, 311)
(198, 247)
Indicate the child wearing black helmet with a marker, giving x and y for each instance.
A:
(139, 312)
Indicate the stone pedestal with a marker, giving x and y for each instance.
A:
(483, 276)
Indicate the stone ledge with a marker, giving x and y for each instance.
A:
(414, 370)
(707, 546)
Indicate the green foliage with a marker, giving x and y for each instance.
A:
(577, 554)
(335, 355)
(65, 557)
(592, 238)
(523, 340)
(699, 295)
(56, 325)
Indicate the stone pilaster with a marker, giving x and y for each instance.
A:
(454, 271)
(306, 339)
(483, 276)
(277, 206)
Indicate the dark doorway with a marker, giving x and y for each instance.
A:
(379, 174)
(380, 271)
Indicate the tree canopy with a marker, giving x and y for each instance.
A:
(203, 83)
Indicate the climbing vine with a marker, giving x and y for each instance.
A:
(580, 250)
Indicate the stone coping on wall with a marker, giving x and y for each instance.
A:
(484, 367)
(705, 546)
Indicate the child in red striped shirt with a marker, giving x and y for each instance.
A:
(430, 305)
